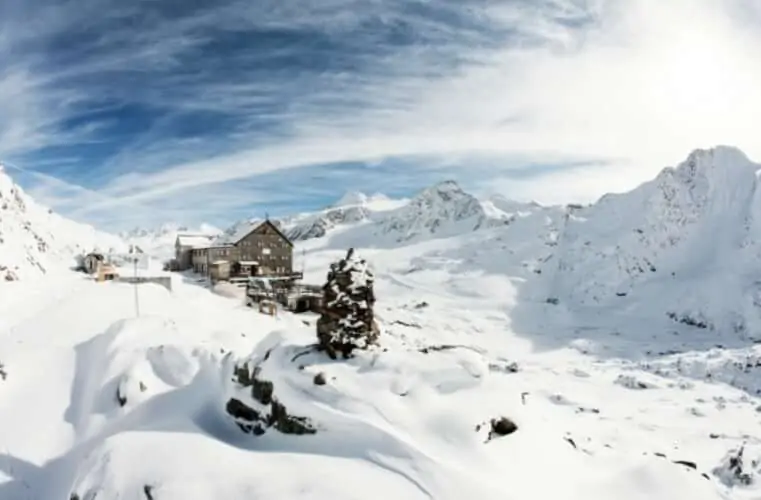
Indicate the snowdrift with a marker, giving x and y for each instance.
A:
(394, 421)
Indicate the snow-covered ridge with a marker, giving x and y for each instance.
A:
(35, 241)
(440, 210)
(690, 232)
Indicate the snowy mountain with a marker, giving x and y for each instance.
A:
(159, 242)
(436, 211)
(691, 231)
(351, 209)
(443, 209)
(34, 241)
(525, 352)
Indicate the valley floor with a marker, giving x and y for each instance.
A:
(98, 403)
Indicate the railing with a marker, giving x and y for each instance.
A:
(164, 281)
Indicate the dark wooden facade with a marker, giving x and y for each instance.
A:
(263, 251)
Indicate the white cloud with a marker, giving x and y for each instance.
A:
(646, 83)
(636, 84)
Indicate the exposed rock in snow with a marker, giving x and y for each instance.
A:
(737, 469)
(254, 404)
(35, 241)
(740, 368)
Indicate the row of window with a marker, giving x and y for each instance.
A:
(260, 244)
(268, 258)
(226, 251)
(202, 269)
(219, 253)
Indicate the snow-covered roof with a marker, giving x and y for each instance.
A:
(235, 233)
(194, 240)
(242, 229)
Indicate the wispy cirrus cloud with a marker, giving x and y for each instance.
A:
(211, 109)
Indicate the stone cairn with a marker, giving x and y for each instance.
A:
(347, 321)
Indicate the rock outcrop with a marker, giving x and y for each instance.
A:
(736, 469)
(260, 409)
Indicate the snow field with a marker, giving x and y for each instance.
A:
(617, 339)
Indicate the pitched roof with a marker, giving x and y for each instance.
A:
(236, 233)
(278, 231)
(194, 240)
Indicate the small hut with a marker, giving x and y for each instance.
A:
(304, 298)
(106, 272)
(219, 270)
(91, 262)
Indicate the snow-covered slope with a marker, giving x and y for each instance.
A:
(137, 406)
(159, 242)
(35, 241)
(537, 314)
(690, 238)
(350, 210)
(440, 210)
(662, 249)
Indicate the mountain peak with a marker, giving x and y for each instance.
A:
(446, 186)
(446, 191)
(724, 158)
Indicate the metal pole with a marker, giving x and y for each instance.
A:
(303, 262)
(137, 302)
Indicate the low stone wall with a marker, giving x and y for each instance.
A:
(165, 281)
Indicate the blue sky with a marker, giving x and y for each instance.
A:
(125, 113)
